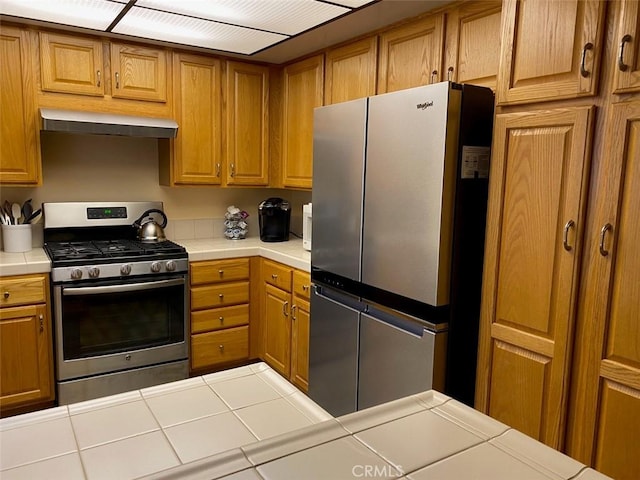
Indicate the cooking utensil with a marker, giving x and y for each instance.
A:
(149, 230)
(27, 210)
(34, 217)
(16, 212)
(6, 207)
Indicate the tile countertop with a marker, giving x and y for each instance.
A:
(248, 423)
(290, 253)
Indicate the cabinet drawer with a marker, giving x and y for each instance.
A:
(22, 290)
(208, 349)
(219, 271)
(277, 275)
(301, 284)
(219, 318)
(211, 296)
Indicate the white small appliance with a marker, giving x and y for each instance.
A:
(306, 226)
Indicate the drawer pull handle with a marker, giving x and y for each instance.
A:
(305, 288)
(221, 348)
(604, 252)
(221, 272)
(565, 238)
(621, 65)
(221, 296)
(7, 295)
(284, 308)
(274, 276)
(221, 319)
(583, 71)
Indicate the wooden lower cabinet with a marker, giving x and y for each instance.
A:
(26, 344)
(219, 313)
(286, 321)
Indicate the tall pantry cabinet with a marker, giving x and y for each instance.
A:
(559, 351)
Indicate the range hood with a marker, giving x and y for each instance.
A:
(95, 123)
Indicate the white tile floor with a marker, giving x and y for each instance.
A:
(139, 433)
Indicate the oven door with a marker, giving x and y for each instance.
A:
(110, 326)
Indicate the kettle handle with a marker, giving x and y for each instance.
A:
(152, 210)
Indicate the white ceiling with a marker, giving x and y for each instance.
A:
(266, 30)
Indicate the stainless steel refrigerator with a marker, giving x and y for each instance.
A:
(399, 198)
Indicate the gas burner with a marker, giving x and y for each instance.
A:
(74, 250)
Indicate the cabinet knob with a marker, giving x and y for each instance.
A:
(434, 76)
(450, 73)
(621, 65)
(583, 71)
(221, 348)
(221, 296)
(274, 276)
(7, 295)
(221, 272)
(221, 319)
(305, 288)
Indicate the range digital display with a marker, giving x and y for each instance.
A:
(98, 213)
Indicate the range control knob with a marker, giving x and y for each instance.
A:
(94, 272)
(170, 266)
(75, 274)
(155, 267)
(125, 269)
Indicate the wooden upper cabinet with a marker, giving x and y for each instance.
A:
(20, 145)
(247, 117)
(71, 64)
(303, 91)
(351, 71)
(411, 55)
(606, 377)
(627, 66)
(472, 51)
(535, 215)
(138, 73)
(550, 50)
(197, 107)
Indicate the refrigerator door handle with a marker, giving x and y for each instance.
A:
(337, 299)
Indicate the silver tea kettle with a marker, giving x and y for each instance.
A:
(149, 230)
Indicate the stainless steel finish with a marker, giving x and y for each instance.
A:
(69, 121)
(73, 391)
(407, 250)
(74, 214)
(565, 236)
(339, 140)
(114, 270)
(621, 65)
(604, 252)
(397, 358)
(134, 287)
(117, 80)
(82, 367)
(333, 360)
(99, 75)
(583, 71)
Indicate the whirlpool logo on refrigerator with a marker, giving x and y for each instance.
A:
(425, 105)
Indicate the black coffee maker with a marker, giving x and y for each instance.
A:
(274, 215)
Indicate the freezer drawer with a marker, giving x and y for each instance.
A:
(398, 358)
(333, 352)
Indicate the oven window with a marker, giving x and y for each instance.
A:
(106, 323)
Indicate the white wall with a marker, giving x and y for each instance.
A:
(111, 168)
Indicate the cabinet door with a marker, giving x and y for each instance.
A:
(300, 343)
(534, 224)
(303, 84)
(247, 124)
(351, 71)
(26, 369)
(277, 329)
(198, 99)
(472, 52)
(20, 145)
(71, 64)
(627, 68)
(605, 405)
(550, 49)
(411, 55)
(138, 73)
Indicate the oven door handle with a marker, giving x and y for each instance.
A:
(133, 287)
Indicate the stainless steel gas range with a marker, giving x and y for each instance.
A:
(120, 304)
